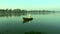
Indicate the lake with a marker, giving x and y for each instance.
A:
(48, 23)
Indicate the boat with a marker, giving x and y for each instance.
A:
(27, 19)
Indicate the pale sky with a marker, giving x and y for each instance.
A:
(30, 4)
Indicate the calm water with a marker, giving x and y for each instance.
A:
(48, 23)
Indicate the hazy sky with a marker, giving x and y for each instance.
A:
(30, 4)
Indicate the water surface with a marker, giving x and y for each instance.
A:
(48, 23)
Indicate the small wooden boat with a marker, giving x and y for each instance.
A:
(27, 19)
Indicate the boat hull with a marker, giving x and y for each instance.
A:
(27, 19)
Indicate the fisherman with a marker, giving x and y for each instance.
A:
(30, 16)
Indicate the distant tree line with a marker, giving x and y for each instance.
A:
(10, 11)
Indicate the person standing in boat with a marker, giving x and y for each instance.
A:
(30, 16)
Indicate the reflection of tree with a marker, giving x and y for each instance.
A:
(32, 32)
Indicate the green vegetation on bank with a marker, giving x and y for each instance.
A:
(5, 12)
